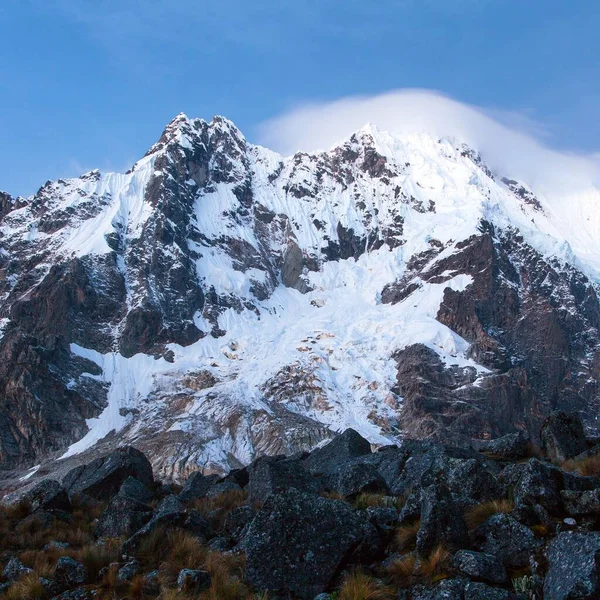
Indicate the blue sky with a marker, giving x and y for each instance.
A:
(91, 83)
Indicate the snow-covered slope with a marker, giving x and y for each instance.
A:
(219, 300)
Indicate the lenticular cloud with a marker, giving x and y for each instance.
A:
(506, 147)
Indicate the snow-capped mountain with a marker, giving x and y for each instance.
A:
(220, 301)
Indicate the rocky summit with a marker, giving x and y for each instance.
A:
(421, 520)
(219, 302)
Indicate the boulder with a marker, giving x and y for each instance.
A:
(193, 580)
(507, 539)
(573, 567)
(441, 521)
(354, 478)
(102, 478)
(539, 483)
(480, 566)
(69, 572)
(128, 571)
(481, 591)
(15, 569)
(562, 436)
(48, 495)
(512, 446)
(342, 448)
(403, 468)
(195, 523)
(219, 544)
(170, 512)
(237, 521)
(448, 589)
(222, 487)
(270, 475)
(239, 476)
(382, 517)
(196, 486)
(122, 518)
(136, 490)
(470, 479)
(581, 503)
(298, 542)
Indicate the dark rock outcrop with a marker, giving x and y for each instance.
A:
(320, 537)
(122, 518)
(573, 567)
(103, 477)
(48, 495)
(441, 521)
(328, 458)
(480, 566)
(563, 436)
(274, 474)
(69, 572)
(507, 539)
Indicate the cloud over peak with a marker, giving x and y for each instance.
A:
(510, 143)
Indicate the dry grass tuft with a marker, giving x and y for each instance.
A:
(402, 569)
(433, 568)
(360, 586)
(406, 535)
(589, 466)
(28, 587)
(479, 514)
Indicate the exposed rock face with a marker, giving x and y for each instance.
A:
(574, 567)
(324, 532)
(103, 477)
(563, 436)
(219, 302)
(305, 545)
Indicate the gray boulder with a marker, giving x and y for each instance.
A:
(471, 480)
(193, 580)
(441, 521)
(481, 591)
(512, 446)
(122, 518)
(480, 566)
(128, 571)
(237, 521)
(562, 436)
(222, 487)
(170, 512)
(136, 490)
(539, 483)
(581, 503)
(69, 572)
(348, 445)
(270, 475)
(297, 543)
(507, 539)
(196, 486)
(195, 523)
(574, 567)
(448, 589)
(354, 478)
(102, 478)
(15, 569)
(48, 495)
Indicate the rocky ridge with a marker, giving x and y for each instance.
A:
(418, 521)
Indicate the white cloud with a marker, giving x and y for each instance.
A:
(511, 143)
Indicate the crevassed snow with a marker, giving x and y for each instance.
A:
(345, 339)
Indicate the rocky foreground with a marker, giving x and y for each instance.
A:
(421, 521)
